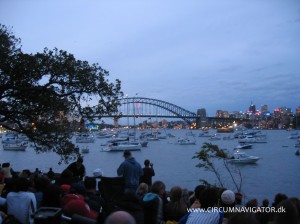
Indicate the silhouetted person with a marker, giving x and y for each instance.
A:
(131, 171)
(148, 173)
(77, 168)
(50, 174)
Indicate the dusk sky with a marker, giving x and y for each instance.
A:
(213, 54)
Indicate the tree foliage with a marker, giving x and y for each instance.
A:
(42, 94)
(208, 155)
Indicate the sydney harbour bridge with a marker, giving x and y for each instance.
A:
(142, 107)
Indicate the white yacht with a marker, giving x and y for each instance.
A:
(243, 158)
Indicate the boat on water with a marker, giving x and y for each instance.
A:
(252, 139)
(135, 141)
(85, 138)
(215, 137)
(225, 130)
(85, 150)
(117, 139)
(12, 137)
(229, 137)
(157, 134)
(122, 146)
(104, 135)
(244, 146)
(144, 143)
(243, 158)
(15, 146)
(151, 137)
(185, 141)
(204, 133)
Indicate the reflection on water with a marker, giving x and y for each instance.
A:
(276, 171)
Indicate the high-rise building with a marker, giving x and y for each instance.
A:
(222, 114)
(219, 113)
(164, 123)
(282, 110)
(298, 111)
(264, 109)
(252, 108)
(225, 114)
(202, 121)
(298, 117)
(201, 112)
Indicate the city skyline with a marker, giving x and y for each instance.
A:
(197, 54)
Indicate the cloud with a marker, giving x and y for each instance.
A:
(212, 54)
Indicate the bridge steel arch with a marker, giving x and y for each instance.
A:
(180, 112)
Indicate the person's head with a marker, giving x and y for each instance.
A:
(238, 197)
(120, 217)
(252, 203)
(97, 173)
(227, 198)
(147, 162)
(209, 197)
(265, 202)
(142, 189)
(158, 187)
(25, 173)
(22, 184)
(290, 214)
(175, 193)
(278, 198)
(127, 154)
(198, 190)
(79, 161)
(6, 170)
(66, 176)
(80, 207)
(5, 165)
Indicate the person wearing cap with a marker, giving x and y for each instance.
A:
(6, 170)
(77, 168)
(131, 171)
(75, 204)
(227, 201)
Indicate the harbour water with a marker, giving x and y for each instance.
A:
(276, 171)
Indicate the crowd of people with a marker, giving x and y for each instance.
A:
(130, 198)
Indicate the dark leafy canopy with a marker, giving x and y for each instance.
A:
(42, 94)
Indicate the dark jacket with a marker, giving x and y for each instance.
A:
(131, 171)
(147, 177)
